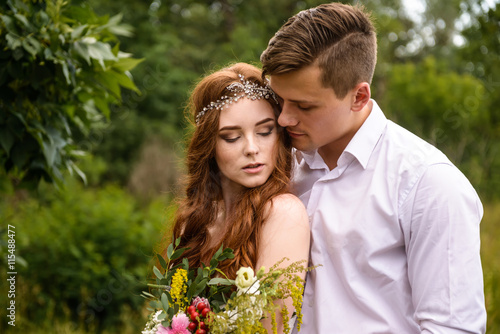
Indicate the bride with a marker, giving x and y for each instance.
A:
(238, 170)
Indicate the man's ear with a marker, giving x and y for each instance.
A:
(361, 96)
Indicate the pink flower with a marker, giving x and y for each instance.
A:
(162, 330)
(180, 322)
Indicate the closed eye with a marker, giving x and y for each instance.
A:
(303, 108)
(230, 140)
(267, 133)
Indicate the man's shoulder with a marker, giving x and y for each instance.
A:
(410, 150)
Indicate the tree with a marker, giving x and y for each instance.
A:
(60, 71)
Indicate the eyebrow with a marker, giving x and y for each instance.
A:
(236, 127)
(302, 101)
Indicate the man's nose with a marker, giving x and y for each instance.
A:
(287, 117)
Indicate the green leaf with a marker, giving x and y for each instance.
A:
(31, 45)
(125, 80)
(200, 287)
(9, 24)
(157, 272)
(155, 304)
(219, 252)
(6, 140)
(162, 316)
(193, 288)
(110, 82)
(78, 31)
(162, 261)
(164, 301)
(78, 171)
(13, 42)
(113, 20)
(100, 51)
(102, 104)
(170, 250)
(49, 151)
(177, 241)
(82, 50)
(147, 294)
(65, 70)
(125, 30)
(23, 20)
(185, 263)
(177, 254)
(221, 281)
(126, 64)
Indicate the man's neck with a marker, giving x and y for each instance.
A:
(331, 152)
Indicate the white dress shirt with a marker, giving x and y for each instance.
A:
(395, 228)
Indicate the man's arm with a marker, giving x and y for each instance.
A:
(444, 265)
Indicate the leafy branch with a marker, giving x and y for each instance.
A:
(60, 71)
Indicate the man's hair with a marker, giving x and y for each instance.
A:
(340, 39)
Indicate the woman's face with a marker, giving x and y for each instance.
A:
(246, 146)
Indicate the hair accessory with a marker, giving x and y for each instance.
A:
(245, 88)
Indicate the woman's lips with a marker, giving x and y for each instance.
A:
(253, 168)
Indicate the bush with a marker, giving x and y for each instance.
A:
(490, 249)
(88, 254)
(60, 71)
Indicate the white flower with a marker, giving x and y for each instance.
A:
(245, 278)
(251, 290)
(153, 324)
(226, 320)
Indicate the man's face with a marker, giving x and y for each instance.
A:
(312, 114)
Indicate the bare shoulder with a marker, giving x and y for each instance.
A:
(288, 209)
(286, 233)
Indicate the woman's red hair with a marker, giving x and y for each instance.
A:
(203, 201)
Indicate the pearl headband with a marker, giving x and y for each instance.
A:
(245, 88)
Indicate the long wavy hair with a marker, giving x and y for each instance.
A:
(203, 200)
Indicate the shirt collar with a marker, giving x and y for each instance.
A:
(366, 138)
(360, 147)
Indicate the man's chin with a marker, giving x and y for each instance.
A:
(301, 146)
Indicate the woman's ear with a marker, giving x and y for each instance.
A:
(361, 96)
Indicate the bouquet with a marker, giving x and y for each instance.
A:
(203, 300)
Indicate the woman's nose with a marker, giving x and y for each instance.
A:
(251, 147)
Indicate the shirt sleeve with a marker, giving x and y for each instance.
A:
(441, 217)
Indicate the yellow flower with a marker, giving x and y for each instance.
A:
(179, 287)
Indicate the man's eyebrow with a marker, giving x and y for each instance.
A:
(302, 101)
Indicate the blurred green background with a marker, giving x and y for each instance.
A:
(84, 244)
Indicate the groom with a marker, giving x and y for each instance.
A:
(394, 224)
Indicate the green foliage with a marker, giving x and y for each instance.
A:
(60, 70)
(490, 250)
(86, 252)
(447, 109)
(230, 306)
(199, 282)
